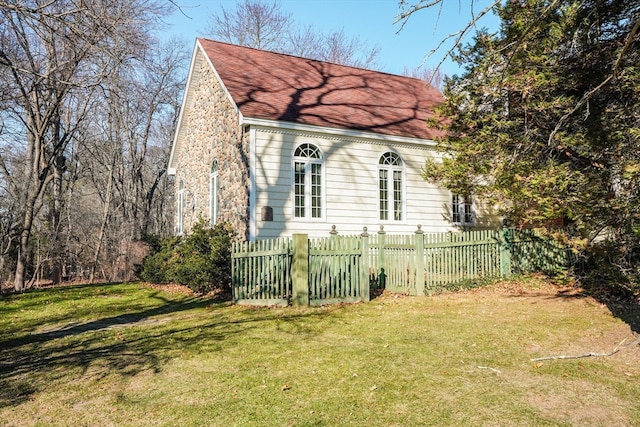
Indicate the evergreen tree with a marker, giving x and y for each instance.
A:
(545, 119)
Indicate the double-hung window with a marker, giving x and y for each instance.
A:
(390, 186)
(462, 210)
(213, 192)
(307, 182)
(180, 209)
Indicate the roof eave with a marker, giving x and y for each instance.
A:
(350, 133)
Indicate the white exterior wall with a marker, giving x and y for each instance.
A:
(350, 173)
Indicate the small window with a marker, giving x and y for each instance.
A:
(307, 182)
(180, 209)
(462, 210)
(213, 192)
(390, 186)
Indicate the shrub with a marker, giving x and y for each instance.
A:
(155, 266)
(200, 260)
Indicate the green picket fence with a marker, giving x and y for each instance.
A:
(342, 268)
(396, 264)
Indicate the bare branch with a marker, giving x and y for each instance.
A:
(590, 354)
(456, 36)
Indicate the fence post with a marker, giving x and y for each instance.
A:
(419, 261)
(364, 265)
(300, 270)
(382, 276)
(505, 253)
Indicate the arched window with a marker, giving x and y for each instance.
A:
(180, 208)
(390, 186)
(213, 192)
(307, 182)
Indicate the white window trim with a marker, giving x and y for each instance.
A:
(307, 187)
(403, 190)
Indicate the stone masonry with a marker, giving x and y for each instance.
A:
(212, 131)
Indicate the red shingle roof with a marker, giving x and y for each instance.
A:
(274, 86)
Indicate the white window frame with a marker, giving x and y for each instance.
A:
(213, 193)
(309, 163)
(462, 210)
(391, 167)
(180, 209)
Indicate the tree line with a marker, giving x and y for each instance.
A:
(88, 101)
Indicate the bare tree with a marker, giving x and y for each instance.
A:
(342, 49)
(305, 42)
(54, 55)
(262, 25)
(124, 156)
(252, 23)
(433, 76)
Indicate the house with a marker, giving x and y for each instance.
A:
(278, 144)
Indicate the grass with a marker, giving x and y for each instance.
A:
(128, 355)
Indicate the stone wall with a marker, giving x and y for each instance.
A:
(211, 130)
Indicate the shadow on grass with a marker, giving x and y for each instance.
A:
(621, 302)
(127, 344)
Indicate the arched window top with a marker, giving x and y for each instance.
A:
(181, 185)
(390, 159)
(308, 151)
(214, 166)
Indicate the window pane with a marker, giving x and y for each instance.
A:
(307, 185)
(461, 209)
(213, 198)
(299, 190)
(384, 194)
(316, 190)
(309, 151)
(180, 225)
(390, 159)
(468, 212)
(455, 212)
(397, 195)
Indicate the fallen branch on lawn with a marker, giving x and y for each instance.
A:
(579, 356)
(497, 371)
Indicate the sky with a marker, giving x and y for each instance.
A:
(369, 20)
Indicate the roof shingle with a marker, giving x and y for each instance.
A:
(274, 86)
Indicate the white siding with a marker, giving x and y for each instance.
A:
(351, 186)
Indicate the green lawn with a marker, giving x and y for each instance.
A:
(128, 355)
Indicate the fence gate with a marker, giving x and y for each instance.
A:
(334, 269)
(261, 272)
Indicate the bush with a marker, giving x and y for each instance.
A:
(200, 260)
(155, 266)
